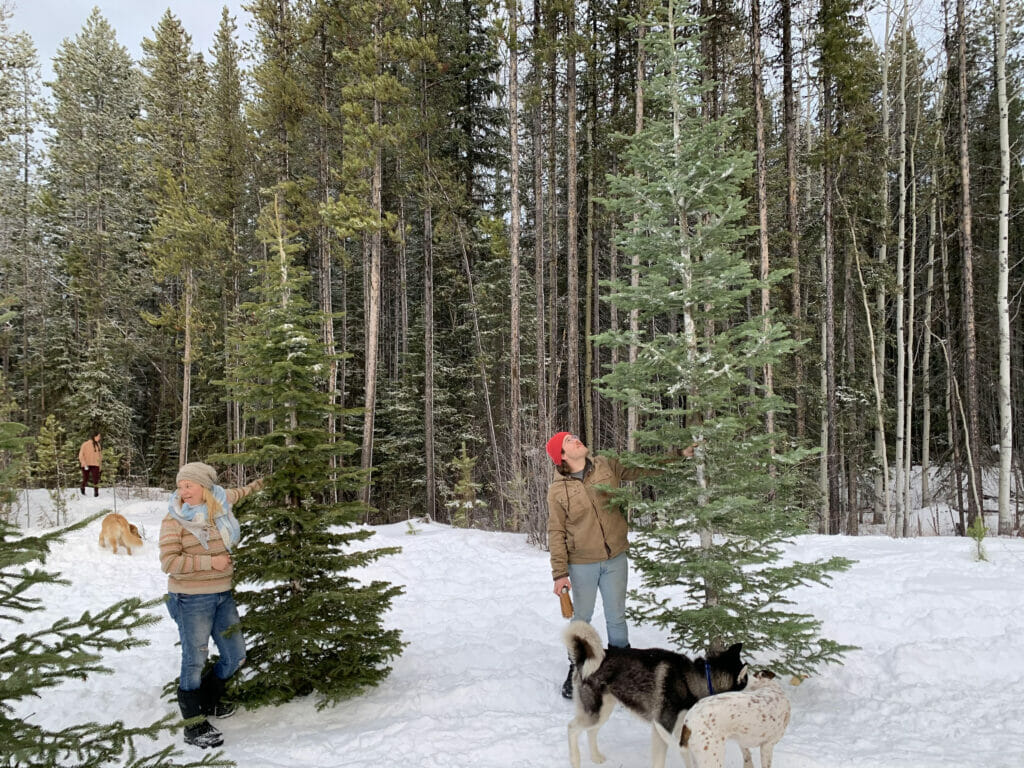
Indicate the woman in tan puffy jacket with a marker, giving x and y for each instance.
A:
(89, 457)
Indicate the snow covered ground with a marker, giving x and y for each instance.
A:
(939, 679)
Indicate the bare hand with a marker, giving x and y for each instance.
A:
(220, 562)
(562, 583)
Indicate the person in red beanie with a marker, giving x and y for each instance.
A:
(587, 535)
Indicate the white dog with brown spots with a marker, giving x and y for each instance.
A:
(757, 716)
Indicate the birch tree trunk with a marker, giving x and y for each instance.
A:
(1002, 300)
(974, 496)
(899, 528)
(883, 260)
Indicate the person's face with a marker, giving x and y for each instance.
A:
(573, 448)
(96, 437)
(190, 493)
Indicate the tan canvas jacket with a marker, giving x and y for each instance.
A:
(583, 527)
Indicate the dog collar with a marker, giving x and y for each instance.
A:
(707, 674)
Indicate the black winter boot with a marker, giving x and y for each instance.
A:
(200, 734)
(211, 690)
(567, 685)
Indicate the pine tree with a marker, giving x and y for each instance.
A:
(40, 658)
(718, 520)
(310, 627)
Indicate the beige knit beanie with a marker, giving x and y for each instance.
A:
(198, 472)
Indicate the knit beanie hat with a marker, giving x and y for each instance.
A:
(198, 472)
(554, 448)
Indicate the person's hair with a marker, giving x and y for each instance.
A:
(563, 469)
(213, 507)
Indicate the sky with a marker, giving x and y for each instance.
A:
(936, 681)
(49, 22)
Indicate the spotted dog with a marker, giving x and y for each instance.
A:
(755, 717)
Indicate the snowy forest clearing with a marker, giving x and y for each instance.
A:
(936, 681)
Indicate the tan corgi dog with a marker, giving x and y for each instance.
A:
(116, 529)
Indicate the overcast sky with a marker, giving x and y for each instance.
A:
(49, 22)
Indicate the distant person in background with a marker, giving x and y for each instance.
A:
(89, 457)
(196, 541)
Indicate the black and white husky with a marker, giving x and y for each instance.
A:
(658, 685)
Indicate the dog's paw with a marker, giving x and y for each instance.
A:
(597, 757)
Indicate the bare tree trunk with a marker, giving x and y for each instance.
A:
(543, 402)
(372, 311)
(186, 373)
(1002, 300)
(429, 459)
(974, 496)
(793, 209)
(762, 202)
(828, 309)
(632, 413)
(572, 355)
(881, 455)
(515, 383)
(901, 249)
(590, 313)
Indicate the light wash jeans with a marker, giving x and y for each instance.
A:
(198, 617)
(609, 577)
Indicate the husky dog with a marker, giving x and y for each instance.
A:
(755, 717)
(658, 685)
(117, 530)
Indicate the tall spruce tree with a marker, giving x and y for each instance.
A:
(42, 658)
(717, 521)
(310, 627)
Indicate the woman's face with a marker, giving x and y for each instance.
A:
(190, 493)
(96, 437)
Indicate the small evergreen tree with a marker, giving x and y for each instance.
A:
(465, 505)
(41, 658)
(310, 627)
(718, 520)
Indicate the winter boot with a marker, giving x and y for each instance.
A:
(200, 734)
(211, 691)
(567, 685)
(83, 490)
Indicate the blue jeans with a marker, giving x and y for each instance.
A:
(198, 617)
(608, 576)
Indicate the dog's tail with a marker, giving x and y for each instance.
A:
(585, 648)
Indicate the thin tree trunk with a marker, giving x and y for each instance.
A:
(372, 309)
(1002, 300)
(429, 459)
(572, 355)
(901, 250)
(632, 413)
(515, 384)
(793, 209)
(590, 313)
(762, 203)
(543, 407)
(186, 371)
(881, 455)
(973, 442)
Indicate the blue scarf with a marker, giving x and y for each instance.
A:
(195, 519)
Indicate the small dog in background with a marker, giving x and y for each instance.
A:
(117, 530)
(755, 717)
(656, 684)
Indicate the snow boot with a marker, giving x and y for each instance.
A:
(199, 734)
(567, 685)
(211, 691)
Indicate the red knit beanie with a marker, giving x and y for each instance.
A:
(555, 446)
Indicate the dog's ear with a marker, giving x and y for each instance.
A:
(733, 650)
(133, 529)
(766, 674)
(741, 678)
